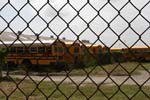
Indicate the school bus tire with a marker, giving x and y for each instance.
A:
(11, 64)
(26, 64)
(141, 59)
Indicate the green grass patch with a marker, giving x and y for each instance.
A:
(55, 91)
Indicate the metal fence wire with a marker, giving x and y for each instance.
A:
(74, 49)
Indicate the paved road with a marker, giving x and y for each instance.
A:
(144, 78)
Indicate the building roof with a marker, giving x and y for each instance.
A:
(9, 38)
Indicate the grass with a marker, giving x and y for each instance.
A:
(31, 90)
(56, 91)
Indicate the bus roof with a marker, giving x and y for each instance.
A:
(115, 48)
(18, 43)
(137, 47)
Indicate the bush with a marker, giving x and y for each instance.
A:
(104, 58)
(91, 62)
(118, 57)
(3, 54)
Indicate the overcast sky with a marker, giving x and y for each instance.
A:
(98, 25)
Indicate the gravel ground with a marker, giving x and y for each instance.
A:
(142, 79)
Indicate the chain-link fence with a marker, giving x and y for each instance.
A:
(74, 49)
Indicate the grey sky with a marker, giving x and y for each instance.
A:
(78, 25)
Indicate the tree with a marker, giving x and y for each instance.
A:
(3, 55)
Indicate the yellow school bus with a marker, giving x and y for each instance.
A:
(73, 52)
(137, 53)
(46, 53)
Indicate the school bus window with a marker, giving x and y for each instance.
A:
(85, 51)
(13, 50)
(146, 50)
(76, 50)
(99, 50)
(33, 50)
(59, 49)
(60, 57)
(20, 50)
(94, 50)
(26, 50)
(41, 50)
(66, 50)
(49, 49)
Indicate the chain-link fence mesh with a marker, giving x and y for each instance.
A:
(74, 49)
